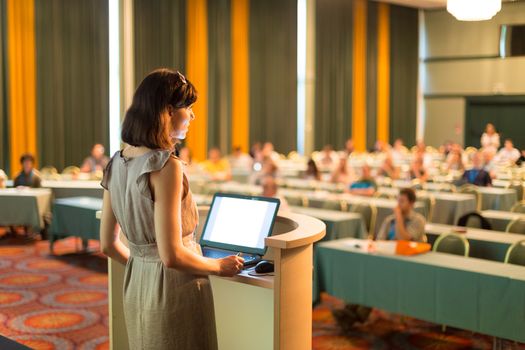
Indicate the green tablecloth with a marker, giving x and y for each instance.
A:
(75, 216)
(497, 198)
(338, 224)
(24, 207)
(500, 219)
(484, 244)
(482, 296)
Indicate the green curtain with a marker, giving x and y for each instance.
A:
(72, 79)
(219, 74)
(273, 73)
(4, 135)
(371, 75)
(403, 73)
(333, 84)
(160, 36)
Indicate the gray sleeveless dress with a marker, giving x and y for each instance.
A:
(164, 308)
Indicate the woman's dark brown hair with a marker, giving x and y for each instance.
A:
(143, 124)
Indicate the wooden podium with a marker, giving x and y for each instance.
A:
(254, 312)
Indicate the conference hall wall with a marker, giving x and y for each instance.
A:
(462, 68)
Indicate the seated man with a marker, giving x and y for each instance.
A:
(29, 176)
(97, 161)
(240, 160)
(365, 186)
(477, 175)
(216, 167)
(508, 155)
(404, 223)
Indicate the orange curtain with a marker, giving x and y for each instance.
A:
(197, 72)
(240, 74)
(22, 79)
(383, 72)
(359, 75)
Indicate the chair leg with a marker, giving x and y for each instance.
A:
(443, 328)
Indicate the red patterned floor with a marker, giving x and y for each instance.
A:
(60, 302)
(53, 302)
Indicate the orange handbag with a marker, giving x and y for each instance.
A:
(411, 248)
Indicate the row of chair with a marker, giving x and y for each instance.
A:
(453, 243)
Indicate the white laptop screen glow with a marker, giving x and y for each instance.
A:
(239, 222)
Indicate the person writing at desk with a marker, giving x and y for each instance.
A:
(29, 176)
(404, 223)
(168, 302)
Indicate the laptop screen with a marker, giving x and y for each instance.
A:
(239, 223)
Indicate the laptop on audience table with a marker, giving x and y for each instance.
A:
(238, 224)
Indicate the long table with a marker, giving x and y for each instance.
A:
(479, 295)
(74, 188)
(24, 207)
(75, 216)
(338, 224)
(497, 198)
(484, 244)
(500, 219)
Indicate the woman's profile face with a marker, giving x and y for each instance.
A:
(180, 122)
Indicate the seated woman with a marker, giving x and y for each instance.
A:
(365, 186)
(262, 170)
(216, 167)
(389, 169)
(417, 170)
(312, 173)
(342, 173)
(454, 160)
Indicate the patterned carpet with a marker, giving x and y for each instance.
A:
(49, 302)
(60, 302)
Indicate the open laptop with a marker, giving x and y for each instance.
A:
(238, 224)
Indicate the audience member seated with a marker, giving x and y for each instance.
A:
(365, 186)
(185, 155)
(327, 158)
(216, 167)
(381, 147)
(508, 155)
(96, 162)
(405, 223)
(445, 148)
(342, 174)
(454, 160)
(417, 169)
(477, 175)
(269, 151)
(29, 176)
(262, 170)
(270, 189)
(399, 152)
(388, 168)
(240, 160)
(3, 179)
(312, 173)
(426, 158)
(490, 139)
(348, 150)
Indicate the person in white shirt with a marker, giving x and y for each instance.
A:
(240, 160)
(490, 139)
(508, 154)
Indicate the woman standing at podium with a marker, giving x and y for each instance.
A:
(167, 297)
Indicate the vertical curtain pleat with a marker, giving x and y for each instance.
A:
(403, 73)
(21, 82)
(371, 74)
(219, 74)
(160, 36)
(4, 135)
(273, 73)
(72, 79)
(333, 100)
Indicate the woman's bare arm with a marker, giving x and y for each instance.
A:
(110, 244)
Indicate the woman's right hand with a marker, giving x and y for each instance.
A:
(230, 265)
